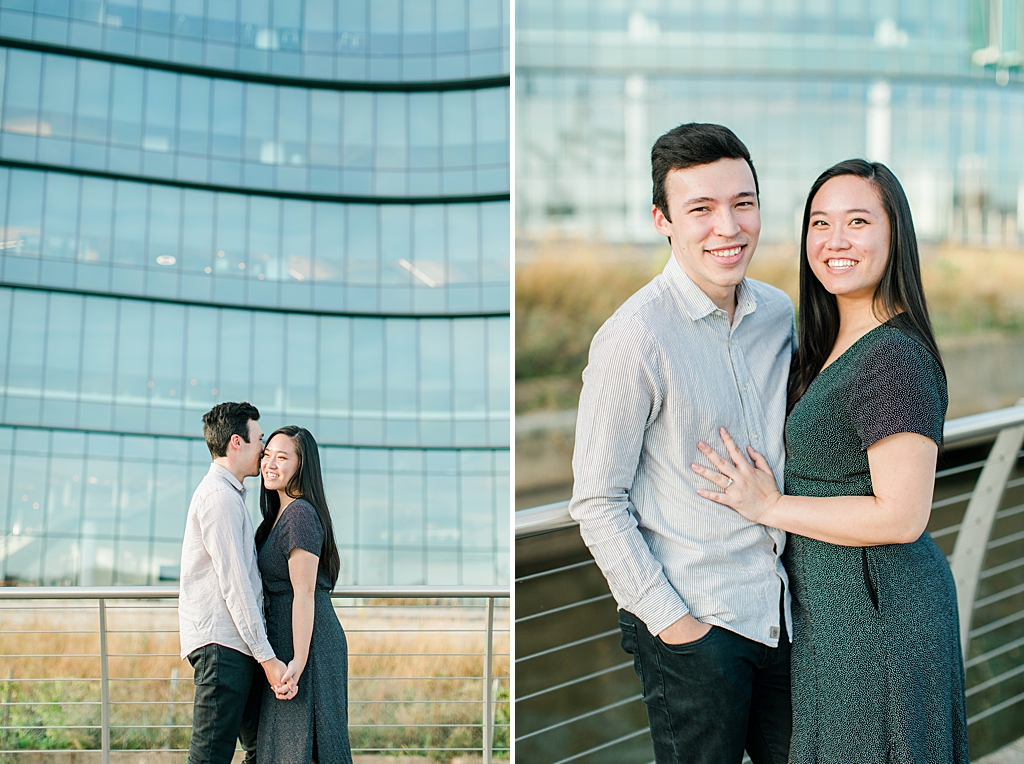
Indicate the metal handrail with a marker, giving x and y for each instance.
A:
(103, 594)
(554, 517)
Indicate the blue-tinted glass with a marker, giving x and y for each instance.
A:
(55, 115)
(98, 349)
(362, 244)
(230, 234)
(492, 125)
(333, 354)
(325, 127)
(25, 212)
(196, 231)
(92, 101)
(161, 111)
(296, 243)
(368, 373)
(25, 351)
(435, 378)
(202, 352)
(268, 391)
(494, 226)
(468, 373)
(6, 296)
(21, 99)
(300, 361)
(133, 351)
(318, 26)
(260, 143)
(227, 118)
(94, 243)
(194, 118)
(164, 227)
(291, 125)
(265, 239)
(396, 245)
(168, 361)
(60, 224)
(424, 130)
(188, 18)
(330, 242)
(63, 339)
(463, 243)
(357, 130)
(235, 361)
(171, 493)
(498, 355)
(457, 131)
(126, 106)
(130, 223)
(155, 16)
(100, 503)
(401, 363)
(392, 132)
(64, 494)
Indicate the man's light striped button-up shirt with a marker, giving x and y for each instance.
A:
(666, 371)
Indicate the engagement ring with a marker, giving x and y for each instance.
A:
(728, 484)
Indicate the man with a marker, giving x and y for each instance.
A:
(702, 593)
(220, 607)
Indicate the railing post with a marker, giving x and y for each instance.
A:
(488, 672)
(104, 687)
(972, 540)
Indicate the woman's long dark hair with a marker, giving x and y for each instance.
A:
(307, 483)
(898, 293)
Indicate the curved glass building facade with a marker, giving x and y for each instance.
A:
(933, 89)
(303, 205)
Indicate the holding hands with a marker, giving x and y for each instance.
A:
(284, 685)
(750, 489)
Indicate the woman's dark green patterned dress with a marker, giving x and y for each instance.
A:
(876, 665)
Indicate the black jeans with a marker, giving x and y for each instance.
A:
(229, 688)
(710, 699)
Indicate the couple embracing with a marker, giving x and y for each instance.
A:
(756, 492)
(256, 620)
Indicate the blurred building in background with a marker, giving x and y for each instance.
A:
(933, 88)
(300, 204)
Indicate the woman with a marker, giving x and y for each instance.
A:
(876, 666)
(299, 562)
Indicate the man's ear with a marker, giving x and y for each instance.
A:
(661, 223)
(236, 441)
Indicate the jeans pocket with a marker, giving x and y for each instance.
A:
(198, 660)
(685, 648)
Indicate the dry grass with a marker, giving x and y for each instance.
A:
(397, 661)
(565, 290)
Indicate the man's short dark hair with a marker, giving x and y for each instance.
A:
(225, 420)
(692, 145)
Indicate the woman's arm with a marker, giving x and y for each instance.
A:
(302, 569)
(902, 475)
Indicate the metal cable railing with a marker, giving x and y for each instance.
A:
(578, 700)
(97, 668)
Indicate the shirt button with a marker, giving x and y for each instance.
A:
(755, 437)
(744, 388)
(774, 633)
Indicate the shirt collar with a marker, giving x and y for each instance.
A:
(216, 469)
(697, 304)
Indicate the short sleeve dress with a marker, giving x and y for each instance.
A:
(316, 719)
(877, 673)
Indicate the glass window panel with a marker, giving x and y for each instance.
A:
(428, 242)
(171, 492)
(395, 246)
(265, 239)
(457, 121)
(92, 98)
(255, 12)
(292, 111)
(498, 372)
(168, 360)
(101, 489)
(362, 244)
(135, 499)
(194, 119)
(130, 223)
(64, 494)
(155, 16)
(494, 225)
(25, 211)
(60, 224)
(333, 354)
(201, 363)
(133, 349)
(401, 366)
(442, 513)
(230, 233)
(98, 349)
(392, 131)
(126, 106)
(330, 242)
(267, 382)
(227, 118)
(357, 131)
(492, 125)
(94, 244)
(235, 367)
(424, 130)
(6, 296)
(21, 102)
(63, 340)
(164, 226)
(463, 243)
(435, 372)
(300, 360)
(468, 371)
(197, 231)
(56, 116)
(374, 510)
(25, 352)
(28, 495)
(161, 111)
(325, 127)
(260, 142)
(297, 247)
(367, 375)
